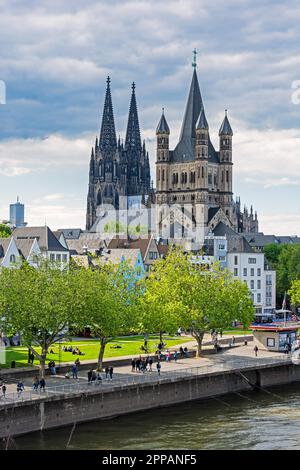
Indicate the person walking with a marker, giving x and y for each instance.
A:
(150, 364)
(35, 384)
(20, 388)
(89, 374)
(106, 372)
(255, 350)
(74, 371)
(3, 388)
(175, 355)
(133, 365)
(42, 384)
(233, 341)
(158, 367)
(111, 371)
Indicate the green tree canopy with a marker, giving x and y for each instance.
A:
(5, 231)
(41, 304)
(183, 293)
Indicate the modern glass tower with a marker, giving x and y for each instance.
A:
(16, 214)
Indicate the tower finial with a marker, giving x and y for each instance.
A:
(225, 112)
(108, 80)
(194, 64)
(133, 86)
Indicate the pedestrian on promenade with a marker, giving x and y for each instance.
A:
(185, 352)
(137, 365)
(42, 384)
(255, 350)
(233, 341)
(158, 367)
(3, 388)
(20, 388)
(90, 373)
(133, 365)
(94, 376)
(150, 364)
(74, 371)
(99, 378)
(181, 352)
(35, 384)
(175, 355)
(111, 371)
(106, 372)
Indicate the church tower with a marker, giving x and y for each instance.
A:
(225, 179)
(117, 172)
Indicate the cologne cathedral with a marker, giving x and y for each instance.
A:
(118, 171)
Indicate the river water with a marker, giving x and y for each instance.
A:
(252, 420)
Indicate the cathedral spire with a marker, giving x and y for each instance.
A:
(133, 136)
(108, 140)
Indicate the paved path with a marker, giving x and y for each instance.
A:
(237, 357)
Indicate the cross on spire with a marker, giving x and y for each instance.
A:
(194, 63)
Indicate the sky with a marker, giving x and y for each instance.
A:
(54, 60)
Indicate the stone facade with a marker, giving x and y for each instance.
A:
(118, 171)
(195, 177)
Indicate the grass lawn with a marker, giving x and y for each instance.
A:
(237, 331)
(129, 345)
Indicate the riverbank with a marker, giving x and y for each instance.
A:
(234, 371)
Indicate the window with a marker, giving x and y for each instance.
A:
(65, 258)
(251, 284)
(52, 257)
(152, 255)
(252, 271)
(245, 271)
(259, 284)
(235, 260)
(236, 271)
(258, 271)
(252, 260)
(12, 259)
(271, 342)
(258, 298)
(58, 258)
(222, 258)
(221, 247)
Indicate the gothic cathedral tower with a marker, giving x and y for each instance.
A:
(118, 172)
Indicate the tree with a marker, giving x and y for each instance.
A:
(158, 301)
(40, 304)
(285, 259)
(5, 231)
(111, 303)
(197, 297)
(294, 292)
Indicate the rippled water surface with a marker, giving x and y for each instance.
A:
(254, 420)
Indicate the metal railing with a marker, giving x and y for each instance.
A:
(121, 381)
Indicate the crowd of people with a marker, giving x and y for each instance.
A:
(72, 350)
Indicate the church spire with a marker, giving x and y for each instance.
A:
(133, 136)
(108, 140)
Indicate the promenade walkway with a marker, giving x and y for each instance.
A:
(236, 358)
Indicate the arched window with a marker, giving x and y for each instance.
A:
(12, 259)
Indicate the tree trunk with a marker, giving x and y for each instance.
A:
(161, 337)
(199, 338)
(43, 362)
(103, 342)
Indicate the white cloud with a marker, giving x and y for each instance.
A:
(281, 224)
(23, 156)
